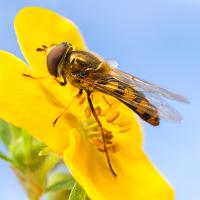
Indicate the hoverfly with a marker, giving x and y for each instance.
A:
(89, 73)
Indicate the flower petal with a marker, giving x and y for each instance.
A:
(32, 104)
(36, 26)
(136, 177)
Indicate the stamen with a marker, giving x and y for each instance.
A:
(107, 102)
(104, 112)
(124, 122)
(112, 116)
(124, 129)
(92, 126)
(82, 100)
(87, 112)
(96, 139)
(107, 134)
(98, 110)
(98, 143)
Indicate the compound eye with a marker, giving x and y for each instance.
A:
(54, 57)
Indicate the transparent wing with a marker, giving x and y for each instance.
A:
(156, 103)
(132, 98)
(147, 87)
(165, 111)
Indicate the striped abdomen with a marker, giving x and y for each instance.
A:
(140, 105)
(152, 118)
(135, 100)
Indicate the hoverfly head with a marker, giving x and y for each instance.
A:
(57, 57)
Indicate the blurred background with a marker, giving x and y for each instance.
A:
(158, 41)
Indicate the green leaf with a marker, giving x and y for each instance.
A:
(4, 157)
(61, 185)
(77, 193)
(5, 133)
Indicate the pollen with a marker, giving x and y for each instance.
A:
(97, 141)
(107, 114)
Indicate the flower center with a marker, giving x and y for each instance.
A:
(109, 117)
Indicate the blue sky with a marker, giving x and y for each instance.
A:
(156, 40)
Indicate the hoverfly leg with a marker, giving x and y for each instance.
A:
(77, 95)
(102, 132)
(42, 77)
(60, 82)
(33, 77)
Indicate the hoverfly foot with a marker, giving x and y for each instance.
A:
(57, 118)
(54, 122)
(79, 94)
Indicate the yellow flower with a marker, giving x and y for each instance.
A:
(35, 103)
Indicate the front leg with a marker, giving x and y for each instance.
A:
(30, 76)
(59, 116)
(42, 77)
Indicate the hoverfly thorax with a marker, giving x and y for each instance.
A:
(87, 62)
(83, 60)
(57, 58)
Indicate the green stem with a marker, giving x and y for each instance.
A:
(33, 190)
